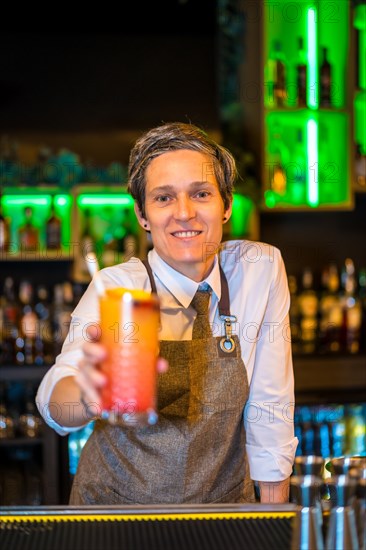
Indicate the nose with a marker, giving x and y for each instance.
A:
(184, 209)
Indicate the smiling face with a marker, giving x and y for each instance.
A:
(184, 211)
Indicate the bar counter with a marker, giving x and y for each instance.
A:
(211, 527)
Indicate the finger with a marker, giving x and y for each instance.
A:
(89, 394)
(94, 353)
(93, 331)
(92, 374)
(162, 365)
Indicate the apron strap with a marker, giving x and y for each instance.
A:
(151, 276)
(224, 303)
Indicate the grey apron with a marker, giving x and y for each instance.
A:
(196, 451)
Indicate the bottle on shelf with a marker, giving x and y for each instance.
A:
(29, 345)
(10, 322)
(53, 229)
(301, 74)
(110, 240)
(325, 99)
(362, 297)
(28, 234)
(129, 240)
(63, 306)
(330, 311)
(298, 172)
(4, 229)
(279, 161)
(43, 309)
(352, 310)
(86, 245)
(308, 305)
(30, 423)
(294, 314)
(356, 429)
(279, 82)
(7, 430)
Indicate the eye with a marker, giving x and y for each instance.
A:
(162, 198)
(202, 194)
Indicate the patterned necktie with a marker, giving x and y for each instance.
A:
(201, 325)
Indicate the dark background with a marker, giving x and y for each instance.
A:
(94, 84)
(154, 63)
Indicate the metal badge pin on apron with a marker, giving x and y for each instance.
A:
(227, 344)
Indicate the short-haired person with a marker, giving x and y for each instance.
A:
(225, 416)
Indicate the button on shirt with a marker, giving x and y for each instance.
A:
(260, 300)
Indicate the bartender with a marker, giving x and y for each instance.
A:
(225, 388)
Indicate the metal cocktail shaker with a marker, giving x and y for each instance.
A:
(307, 532)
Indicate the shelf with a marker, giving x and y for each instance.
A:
(21, 441)
(35, 256)
(27, 373)
(330, 373)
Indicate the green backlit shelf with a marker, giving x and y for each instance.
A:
(16, 199)
(306, 132)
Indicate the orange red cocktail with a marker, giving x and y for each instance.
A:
(129, 331)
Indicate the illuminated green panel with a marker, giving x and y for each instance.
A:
(360, 120)
(360, 25)
(317, 23)
(333, 33)
(240, 218)
(112, 199)
(108, 213)
(314, 161)
(14, 202)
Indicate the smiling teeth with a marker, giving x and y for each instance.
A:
(186, 233)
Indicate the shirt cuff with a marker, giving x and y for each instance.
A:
(271, 464)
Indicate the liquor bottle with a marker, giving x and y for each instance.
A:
(129, 240)
(298, 170)
(355, 430)
(360, 168)
(29, 345)
(28, 233)
(63, 306)
(53, 230)
(7, 430)
(308, 304)
(330, 311)
(4, 230)
(87, 244)
(43, 310)
(294, 314)
(362, 297)
(301, 74)
(279, 86)
(279, 161)
(352, 310)
(30, 423)
(325, 81)
(10, 319)
(110, 240)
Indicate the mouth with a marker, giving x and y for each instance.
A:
(186, 234)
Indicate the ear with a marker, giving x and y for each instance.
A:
(142, 221)
(227, 213)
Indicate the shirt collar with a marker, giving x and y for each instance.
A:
(182, 287)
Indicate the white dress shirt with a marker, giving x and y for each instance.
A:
(259, 298)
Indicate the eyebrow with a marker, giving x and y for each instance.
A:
(170, 188)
